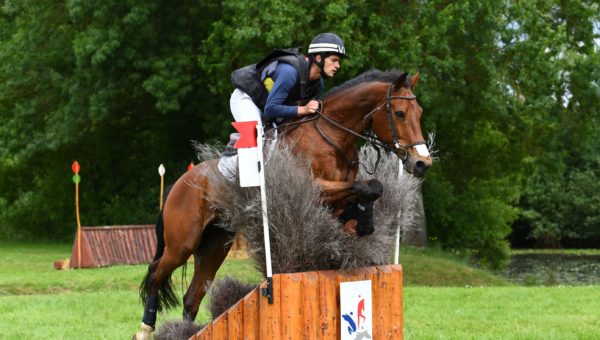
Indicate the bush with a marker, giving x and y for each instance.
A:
(563, 206)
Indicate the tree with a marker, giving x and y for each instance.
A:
(114, 85)
(508, 88)
(554, 54)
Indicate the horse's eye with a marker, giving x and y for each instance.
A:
(400, 114)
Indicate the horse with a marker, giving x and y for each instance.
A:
(382, 103)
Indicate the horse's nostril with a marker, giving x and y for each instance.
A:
(420, 165)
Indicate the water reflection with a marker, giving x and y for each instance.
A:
(554, 269)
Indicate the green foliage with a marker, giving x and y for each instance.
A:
(563, 207)
(114, 85)
(510, 89)
(560, 94)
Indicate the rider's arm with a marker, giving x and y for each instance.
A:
(285, 77)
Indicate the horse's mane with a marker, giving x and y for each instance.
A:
(369, 76)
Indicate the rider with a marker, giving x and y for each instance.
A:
(285, 83)
(282, 85)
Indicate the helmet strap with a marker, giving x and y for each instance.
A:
(321, 65)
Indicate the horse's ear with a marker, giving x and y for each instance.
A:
(401, 81)
(414, 80)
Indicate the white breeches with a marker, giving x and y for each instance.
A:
(243, 108)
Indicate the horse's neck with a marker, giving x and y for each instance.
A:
(349, 108)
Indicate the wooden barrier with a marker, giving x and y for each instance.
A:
(110, 245)
(126, 244)
(307, 306)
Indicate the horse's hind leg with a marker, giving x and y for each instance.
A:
(159, 294)
(208, 257)
(160, 280)
(157, 290)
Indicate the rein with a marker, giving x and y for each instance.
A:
(401, 150)
(295, 123)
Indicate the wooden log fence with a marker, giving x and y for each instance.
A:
(307, 306)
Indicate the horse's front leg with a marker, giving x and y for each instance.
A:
(352, 202)
(336, 193)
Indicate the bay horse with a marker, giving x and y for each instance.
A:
(382, 102)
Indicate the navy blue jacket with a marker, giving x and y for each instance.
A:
(282, 101)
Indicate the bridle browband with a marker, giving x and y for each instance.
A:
(400, 150)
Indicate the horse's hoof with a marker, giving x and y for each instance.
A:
(364, 230)
(350, 227)
(144, 333)
(368, 191)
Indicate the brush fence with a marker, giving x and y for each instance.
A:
(307, 306)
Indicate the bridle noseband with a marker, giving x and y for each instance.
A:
(399, 147)
(400, 150)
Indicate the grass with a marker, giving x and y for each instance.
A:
(37, 301)
(431, 267)
(502, 313)
(28, 269)
(579, 252)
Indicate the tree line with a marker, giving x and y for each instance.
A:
(511, 90)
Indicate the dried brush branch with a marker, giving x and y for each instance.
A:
(226, 292)
(304, 235)
(177, 330)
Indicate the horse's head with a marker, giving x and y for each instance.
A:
(398, 124)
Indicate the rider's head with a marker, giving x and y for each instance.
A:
(326, 50)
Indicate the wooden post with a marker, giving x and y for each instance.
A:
(291, 306)
(251, 316)
(382, 309)
(204, 334)
(310, 305)
(236, 321)
(220, 327)
(328, 308)
(397, 306)
(269, 313)
(161, 172)
(75, 167)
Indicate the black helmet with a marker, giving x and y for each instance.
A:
(327, 43)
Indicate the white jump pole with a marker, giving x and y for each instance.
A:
(263, 198)
(397, 252)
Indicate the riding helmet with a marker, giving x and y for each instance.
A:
(327, 43)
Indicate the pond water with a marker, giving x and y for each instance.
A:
(554, 269)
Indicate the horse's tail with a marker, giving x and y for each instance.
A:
(166, 292)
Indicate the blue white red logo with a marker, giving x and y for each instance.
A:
(356, 313)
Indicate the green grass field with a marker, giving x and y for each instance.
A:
(443, 299)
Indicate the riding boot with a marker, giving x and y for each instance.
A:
(229, 149)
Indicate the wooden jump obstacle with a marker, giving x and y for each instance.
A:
(307, 306)
(110, 245)
(126, 244)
